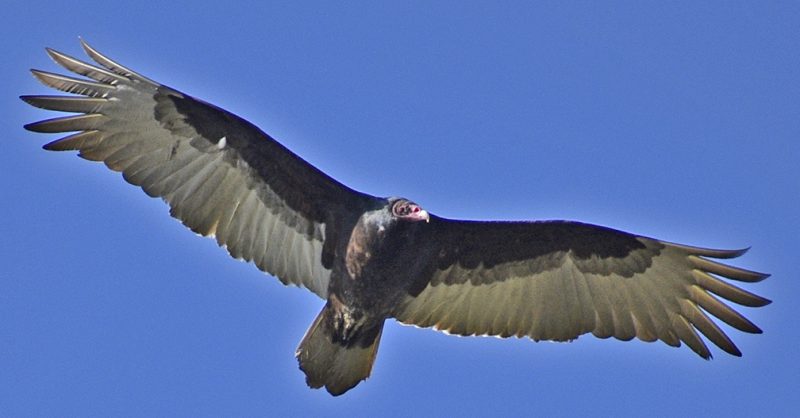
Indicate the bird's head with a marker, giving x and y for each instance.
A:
(406, 210)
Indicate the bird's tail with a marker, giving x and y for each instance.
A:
(337, 365)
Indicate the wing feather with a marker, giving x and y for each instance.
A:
(726, 270)
(88, 70)
(727, 290)
(85, 122)
(112, 65)
(73, 85)
(220, 175)
(559, 280)
(75, 141)
(687, 333)
(66, 103)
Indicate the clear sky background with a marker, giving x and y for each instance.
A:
(678, 121)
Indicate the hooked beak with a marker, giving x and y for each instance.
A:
(423, 214)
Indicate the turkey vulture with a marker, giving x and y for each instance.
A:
(372, 258)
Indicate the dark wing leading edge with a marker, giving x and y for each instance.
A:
(221, 175)
(558, 280)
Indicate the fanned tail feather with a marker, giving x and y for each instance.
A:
(335, 365)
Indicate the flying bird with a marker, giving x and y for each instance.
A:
(374, 258)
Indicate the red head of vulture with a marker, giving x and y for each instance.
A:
(372, 258)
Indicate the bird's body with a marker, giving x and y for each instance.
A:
(373, 258)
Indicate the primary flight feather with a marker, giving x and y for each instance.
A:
(373, 258)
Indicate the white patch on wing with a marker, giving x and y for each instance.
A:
(222, 142)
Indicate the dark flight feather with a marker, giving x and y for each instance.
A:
(373, 258)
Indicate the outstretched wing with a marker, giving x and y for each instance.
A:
(558, 280)
(221, 175)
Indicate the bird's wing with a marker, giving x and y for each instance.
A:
(221, 175)
(558, 280)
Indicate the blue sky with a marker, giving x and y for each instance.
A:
(676, 121)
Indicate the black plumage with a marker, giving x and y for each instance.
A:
(375, 258)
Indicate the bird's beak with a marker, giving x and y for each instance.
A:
(424, 215)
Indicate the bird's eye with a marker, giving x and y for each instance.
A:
(401, 209)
